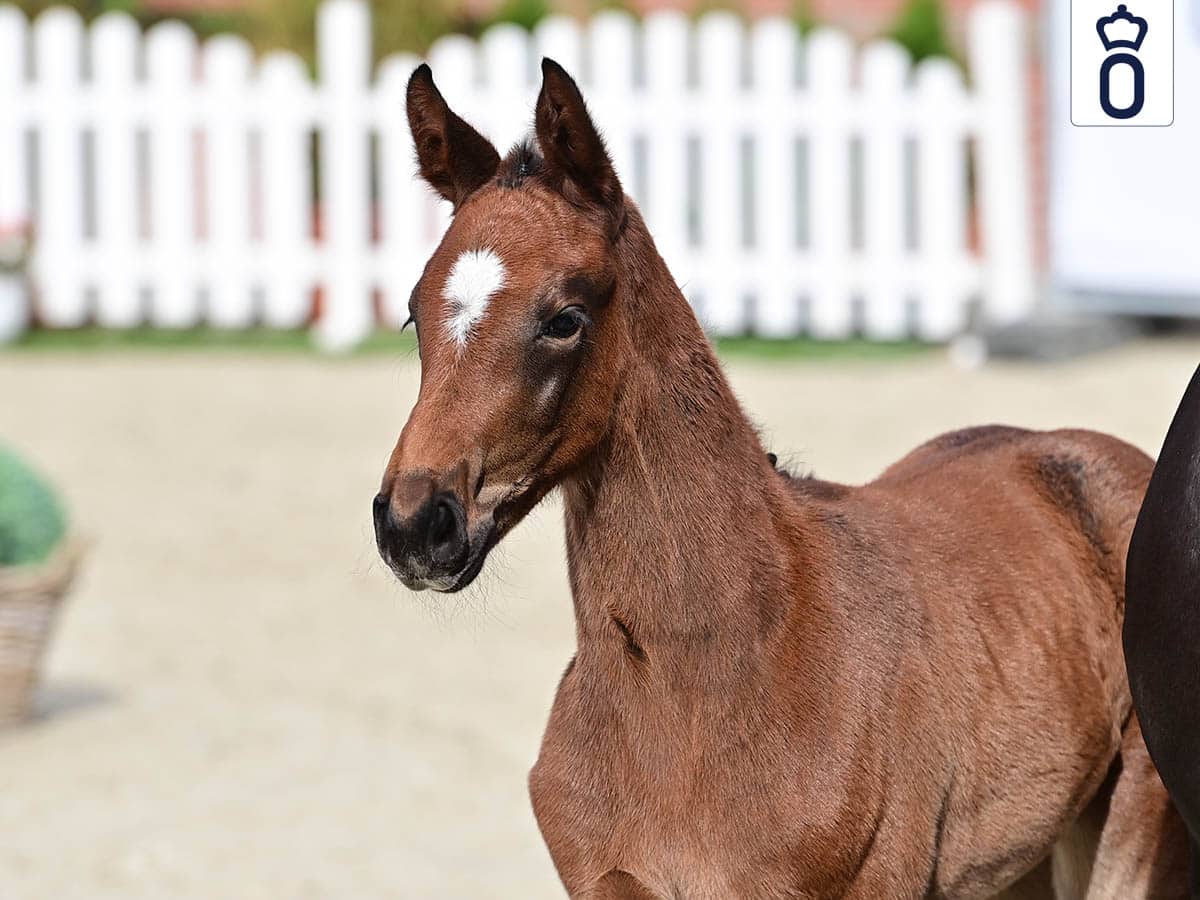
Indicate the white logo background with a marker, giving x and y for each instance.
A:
(1156, 55)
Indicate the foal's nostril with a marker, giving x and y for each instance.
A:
(447, 534)
(379, 508)
(443, 523)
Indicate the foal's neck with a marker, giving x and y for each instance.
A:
(676, 529)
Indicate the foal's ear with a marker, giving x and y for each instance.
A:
(571, 146)
(455, 159)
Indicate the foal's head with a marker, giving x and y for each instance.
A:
(518, 331)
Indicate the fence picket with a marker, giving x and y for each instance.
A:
(667, 201)
(997, 53)
(343, 59)
(14, 197)
(776, 255)
(401, 193)
(170, 62)
(227, 66)
(941, 203)
(829, 61)
(453, 59)
(611, 38)
(285, 175)
(884, 70)
(114, 47)
(58, 59)
(720, 36)
(505, 52)
(560, 39)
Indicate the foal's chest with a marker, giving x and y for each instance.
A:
(636, 851)
(686, 823)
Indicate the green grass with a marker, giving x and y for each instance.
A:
(810, 350)
(198, 340)
(267, 341)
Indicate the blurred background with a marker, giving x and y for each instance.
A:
(209, 229)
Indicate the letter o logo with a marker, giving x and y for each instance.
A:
(1139, 86)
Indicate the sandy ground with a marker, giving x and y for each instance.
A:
(241, 704)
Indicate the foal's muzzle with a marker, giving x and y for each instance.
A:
(428, 546)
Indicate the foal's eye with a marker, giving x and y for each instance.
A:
(564, 325)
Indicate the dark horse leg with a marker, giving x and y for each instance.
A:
(1162, 616)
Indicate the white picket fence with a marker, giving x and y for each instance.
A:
(793, 186)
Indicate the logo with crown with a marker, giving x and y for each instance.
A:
(1121, 29)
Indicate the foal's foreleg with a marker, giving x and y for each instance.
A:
(1143, 851)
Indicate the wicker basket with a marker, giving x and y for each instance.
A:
(29, 600)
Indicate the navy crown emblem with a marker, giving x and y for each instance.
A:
(1121, 29)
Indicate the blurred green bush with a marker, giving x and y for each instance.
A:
(32, 521)
(526, 13)
(921, 29)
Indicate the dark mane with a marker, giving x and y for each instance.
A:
(523, 161)
(808, 483)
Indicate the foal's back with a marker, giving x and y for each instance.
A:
(1068, 500)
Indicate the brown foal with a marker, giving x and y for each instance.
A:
(783, 687)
